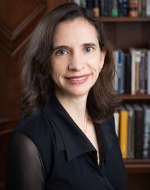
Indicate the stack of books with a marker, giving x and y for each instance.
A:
(132, 71)
(133, 130)
(115, 8)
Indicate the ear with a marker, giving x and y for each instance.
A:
(102, 59)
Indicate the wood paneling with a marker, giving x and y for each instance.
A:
(18, 18)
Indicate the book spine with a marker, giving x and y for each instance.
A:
(76, 1)
(96, 10)
(148, 8)
(89, 4)
(102, 7)
(140, 8)
(120, 72)
(83, 3)
(146, 139)
(130, 134)
(143, 8)
(127, 73)
(106, 8)
(132, 71)
(133, 8)
(148, 72)
(137, 63)
(123, 132)
(125, 7)
(115, 8)
(120, 7)
(109, 8)
(139, 127)
(116, 69)
(142, 73)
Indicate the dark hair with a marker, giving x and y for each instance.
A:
(36, 76)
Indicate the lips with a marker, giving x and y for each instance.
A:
(78, 79)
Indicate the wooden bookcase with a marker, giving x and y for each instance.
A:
(123, 33)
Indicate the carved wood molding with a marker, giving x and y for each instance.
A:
(30, 18)
(11, 39)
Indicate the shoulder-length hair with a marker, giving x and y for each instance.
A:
(38, 83)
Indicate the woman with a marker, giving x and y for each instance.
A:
(67, 139)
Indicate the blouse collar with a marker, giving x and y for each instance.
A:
(69, 136)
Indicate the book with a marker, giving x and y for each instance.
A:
(144, 8)
(148, 71)
(76, 1)
(146, 133)
(140, 8)
(89, 4)
(109, 7)
(142, 75)
(83, 3)
(116, 70)
(130, 149)
(123, 135)
(132, 52)
(114, 8)
(120, 71)
(96, 9)
(133, 8)
(148, 8)
(127, 73)
(102, 7)
(125, 8)
(137, 70)
(139, 130)
(120, 7)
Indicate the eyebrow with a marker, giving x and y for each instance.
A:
(67, 47)
(60, 47)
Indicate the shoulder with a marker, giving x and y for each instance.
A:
(34, 124)
(39, 130)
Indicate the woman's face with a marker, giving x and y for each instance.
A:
(76, 59)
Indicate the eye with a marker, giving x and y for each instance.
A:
(61, 52)
(88, 49)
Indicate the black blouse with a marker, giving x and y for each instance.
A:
(48, 151)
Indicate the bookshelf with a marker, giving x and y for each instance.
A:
(137, 166)
(125, 19)
(123, 33)
(125, 97)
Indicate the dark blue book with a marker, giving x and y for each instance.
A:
(125, 7)
(120, 7)
(127, 73)
(89, 4)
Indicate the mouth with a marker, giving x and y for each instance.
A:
(78, 79)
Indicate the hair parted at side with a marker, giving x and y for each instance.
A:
(38, 83)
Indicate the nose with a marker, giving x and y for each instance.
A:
(76, 62)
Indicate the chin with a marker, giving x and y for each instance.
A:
(79, 93)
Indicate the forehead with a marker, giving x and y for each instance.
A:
(78, 30)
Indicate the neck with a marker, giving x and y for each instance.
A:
(76, 108)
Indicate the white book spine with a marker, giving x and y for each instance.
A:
(147, 7)
(133, 71)
(77, 1)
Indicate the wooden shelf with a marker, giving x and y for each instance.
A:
(135, 97)
(124, 19)
(137, 165)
